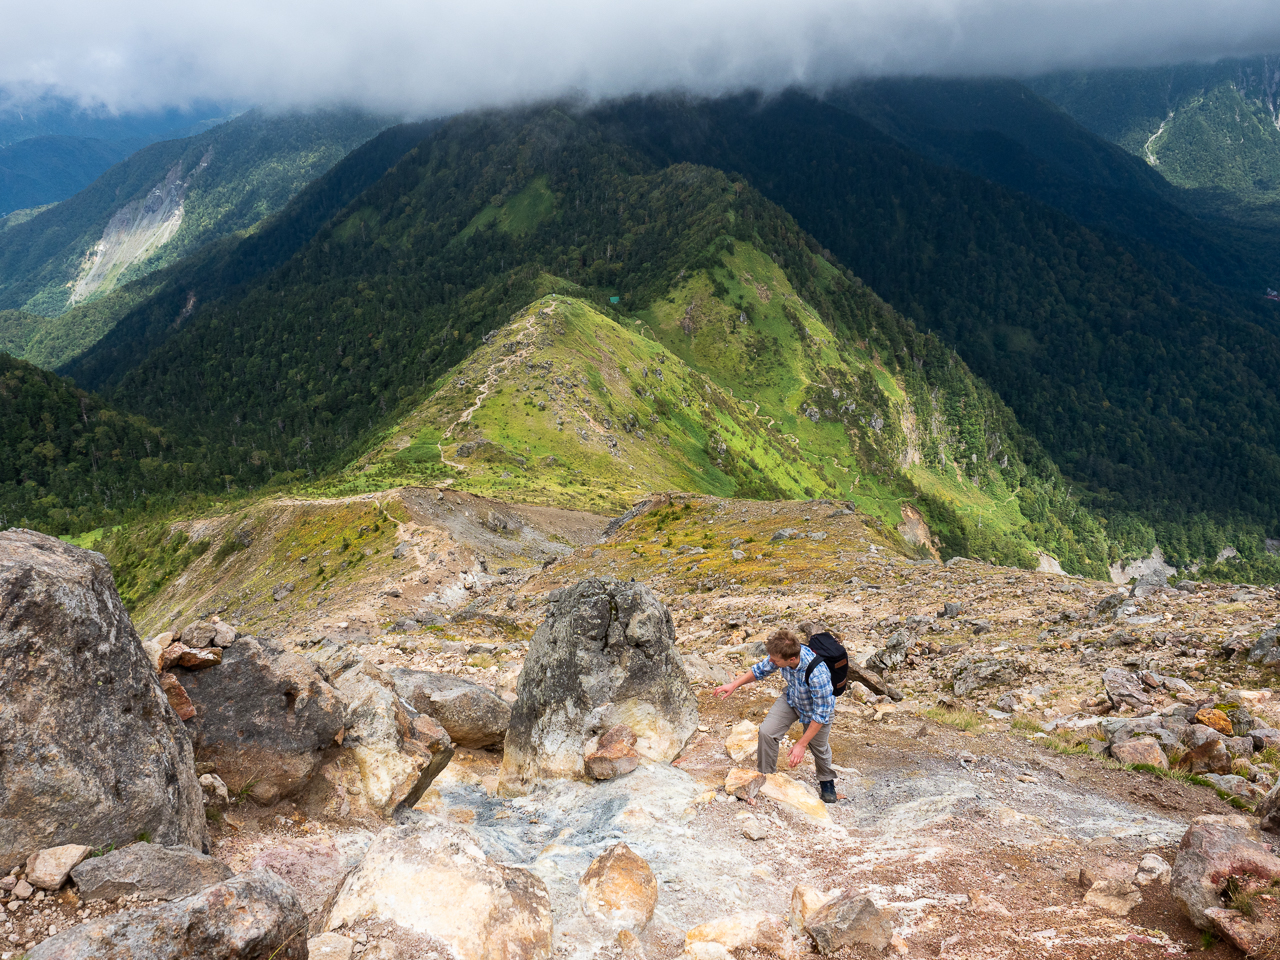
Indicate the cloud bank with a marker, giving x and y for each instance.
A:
(427, 57)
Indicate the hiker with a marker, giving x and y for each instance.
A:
(811, 701)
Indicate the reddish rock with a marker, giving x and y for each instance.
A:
(177, 695)
(615, 754)
(1213, 850)
(1210, 757)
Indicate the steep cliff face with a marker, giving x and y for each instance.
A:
(136, 231)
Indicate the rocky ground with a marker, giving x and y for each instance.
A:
(985, 812)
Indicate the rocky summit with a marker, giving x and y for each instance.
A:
(484, 746)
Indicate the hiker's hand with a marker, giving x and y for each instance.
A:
(795, 755)
(723, 690)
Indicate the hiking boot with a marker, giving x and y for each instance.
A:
(828, 791)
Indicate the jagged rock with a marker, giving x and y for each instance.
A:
(180, 655)
(743, 741)
(1264, 737)
(805, 902)
(973, 672)
(282, 590)
(216, 795)
(1249, 935)
(1210, 757)
(1153, 868)
(981, 626)
(411, 878)
(176, 694)
(1268, 810)
(1108, 607)
(950, 609)
(794, 794)
(99, 755)
(1117, 897)
(330, 946)
(784, 534)
(255, 916)
(1150, 584)
(1124, 689)
(316, 868)
(619, 887)
(48, 869)
(472, 715)
(1239, 746)
(198, 634)
(1241, 722)
(605, 655)
(893, 653)
(847, 921)
(699, 667)
(614, 755)
(1216, 720)
(1197, 733)
(1145, 750)
(1266, 649)
(759, 932)
(1212, 850)
(743, 784)
(397, 752)
(149, 871)
(263, 718)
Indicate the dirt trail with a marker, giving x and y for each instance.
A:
(491, 377)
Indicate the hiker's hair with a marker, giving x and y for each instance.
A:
(783, 644)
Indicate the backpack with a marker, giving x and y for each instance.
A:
(827, 649)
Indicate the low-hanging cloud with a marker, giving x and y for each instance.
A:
(430, 58)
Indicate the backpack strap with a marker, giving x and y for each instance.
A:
(814, 663)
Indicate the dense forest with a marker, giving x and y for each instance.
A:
(1152, 388)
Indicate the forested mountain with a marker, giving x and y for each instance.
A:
(44, 170)
(167, 201)
(1147, 383)
(1003, 132)
(297, 371)
(1211, 128)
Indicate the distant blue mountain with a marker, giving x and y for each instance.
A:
(52, 148)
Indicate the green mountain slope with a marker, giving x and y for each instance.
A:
(1207, 127)
(1149, 385)
(43, 170)
(167, 201)
(1003, 132)
(301, 370)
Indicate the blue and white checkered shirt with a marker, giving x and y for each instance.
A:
(814, 700)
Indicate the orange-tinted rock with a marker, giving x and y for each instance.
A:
(178, 698)
(619, 887)
(1217, 720)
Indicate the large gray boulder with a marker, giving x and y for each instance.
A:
(472, 715)
(263, 717)
(255, 916)
(90, 750)
(149, 871)
(604, 656)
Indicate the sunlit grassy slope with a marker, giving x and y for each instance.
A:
(732, 385)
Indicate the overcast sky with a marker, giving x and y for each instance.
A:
(429, 57)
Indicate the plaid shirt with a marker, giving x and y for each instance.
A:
(814, 700)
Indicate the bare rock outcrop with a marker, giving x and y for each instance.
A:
(262, 718)
(147, 870)
(472, 715)
(255, 916)
(1213, 850)
(604, 656)
(433, 880)
(90, 750)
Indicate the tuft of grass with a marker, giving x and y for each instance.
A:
(1207, 939)
(961, 718)
(1026, 725)
(482, 660)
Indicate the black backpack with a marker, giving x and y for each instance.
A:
(827, 649)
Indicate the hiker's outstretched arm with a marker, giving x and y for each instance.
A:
(734, 684)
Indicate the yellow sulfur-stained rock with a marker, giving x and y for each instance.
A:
(742, 741)
(765, 933)
(795, 795)
(619, 887)
(1217, 720)
(805, 902)
(742, 783)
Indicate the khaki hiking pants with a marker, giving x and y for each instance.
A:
(775, 727)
